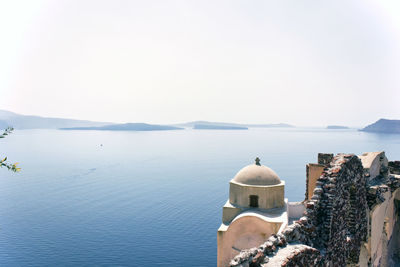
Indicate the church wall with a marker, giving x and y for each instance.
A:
(245, 232)
(268, 196)
(229, 212)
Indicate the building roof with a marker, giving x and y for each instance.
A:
(257, 174)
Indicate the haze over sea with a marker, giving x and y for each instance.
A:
(143, 198)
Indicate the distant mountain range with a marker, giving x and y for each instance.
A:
(128, 127)
(19, 121)
(383, 126)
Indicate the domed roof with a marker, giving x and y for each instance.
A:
(257, 174)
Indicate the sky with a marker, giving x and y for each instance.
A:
(306, 63)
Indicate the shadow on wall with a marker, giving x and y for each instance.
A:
(394, 242)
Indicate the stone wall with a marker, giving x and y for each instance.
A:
(394, 167)
(295, 255)
(341, 214)
(335, 226)
(325, 158)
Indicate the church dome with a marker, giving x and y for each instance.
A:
(257, 174)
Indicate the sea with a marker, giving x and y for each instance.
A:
(114, 198)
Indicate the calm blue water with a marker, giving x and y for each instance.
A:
(143, 198)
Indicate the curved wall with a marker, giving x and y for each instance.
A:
(244, 232)
(269, 197)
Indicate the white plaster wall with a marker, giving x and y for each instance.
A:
(243, 233)
(383, 219)
(229, 212)
(373, 162)
(378, 215)
(295, 209)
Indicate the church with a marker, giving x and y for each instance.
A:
(255, 210)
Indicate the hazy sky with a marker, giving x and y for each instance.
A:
(300, 62)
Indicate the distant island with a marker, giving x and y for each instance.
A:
(227, 124)
(18, 121)
(128, 127)
(336, 127)
(383, 126)
(217, 127)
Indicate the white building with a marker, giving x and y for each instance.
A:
(256, 209)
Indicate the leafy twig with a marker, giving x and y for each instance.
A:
(12, 167)
(7, 131)
(3, 163)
